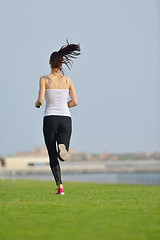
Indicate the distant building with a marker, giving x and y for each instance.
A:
(106, 155)
(26, 163)
(40, 152)
(37, 152)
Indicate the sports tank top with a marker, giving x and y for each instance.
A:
(56, 101)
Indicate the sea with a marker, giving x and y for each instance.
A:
(152, 178)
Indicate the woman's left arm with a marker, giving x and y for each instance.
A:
(40, 99)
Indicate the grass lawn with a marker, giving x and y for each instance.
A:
(30, 210)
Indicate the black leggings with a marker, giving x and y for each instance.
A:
(58, 129)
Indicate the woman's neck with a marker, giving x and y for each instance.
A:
(55, 71)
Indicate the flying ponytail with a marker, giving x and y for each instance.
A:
(64, 55)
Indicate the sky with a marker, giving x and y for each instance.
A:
(116, 77)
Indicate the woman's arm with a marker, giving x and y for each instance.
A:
(72, 92)
(40, 99)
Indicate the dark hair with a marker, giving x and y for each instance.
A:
(64, 55)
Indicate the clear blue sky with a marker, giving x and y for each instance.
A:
(117, 76)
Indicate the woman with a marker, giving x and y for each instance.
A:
(57, 121)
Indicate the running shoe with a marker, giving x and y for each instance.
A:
(60, 191)
(63, 153)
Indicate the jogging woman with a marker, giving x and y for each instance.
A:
(57, 121)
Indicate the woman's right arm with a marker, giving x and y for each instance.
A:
(40, 99)
(72, 92)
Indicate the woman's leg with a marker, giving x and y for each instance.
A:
(49, 130)
(64, 131)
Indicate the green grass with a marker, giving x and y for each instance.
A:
(30, 210)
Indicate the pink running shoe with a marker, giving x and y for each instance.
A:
(60, 191)
(63, 153)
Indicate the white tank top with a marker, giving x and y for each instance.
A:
(56, 101)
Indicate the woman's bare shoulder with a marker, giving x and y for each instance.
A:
(43, 80)
(69, 81)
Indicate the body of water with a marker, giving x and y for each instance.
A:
(127, 178)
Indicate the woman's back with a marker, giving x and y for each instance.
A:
(57, 81)
(56, 95)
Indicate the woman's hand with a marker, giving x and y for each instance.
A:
(38, 104)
